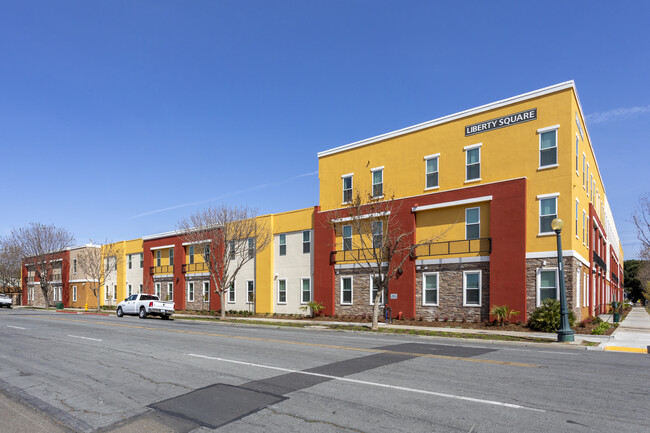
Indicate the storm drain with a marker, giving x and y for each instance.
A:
(217, 405)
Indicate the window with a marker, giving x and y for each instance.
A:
(579, 125)
(577, 203)
(585, 291)
(347, 188)
(306, 242)
(430, 288)
(548, 148)
(346, 290)
(74, 266)
(593, 188)
(130, 258)
(471, 288)
(473, 163)
(578, 297)
(105, 293)
(129, 291)
(191, 254)
(577, 155)
(206, 291)
(431, 171)
(158, 290)
(378, 182)
(170, 291)
(283, 244)
(547, 213)
(232, 250)
(141, 288)
(374, 285)
(377, 234)
(347, 238)
(171, 257)
(74, 293)
(250, 291)
(141, 260)
(584, 227)
(282, 291)
(115, 291)
(190, 292)
(206, 253)
(473, 223)
(584, 171)
(231, 293)
(546, 285)
(157, 257)
(305, 290)
(251, 248)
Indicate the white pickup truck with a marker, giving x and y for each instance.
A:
(5, 300)
(144, 305)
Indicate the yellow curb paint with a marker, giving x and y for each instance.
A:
(625, 349)
(297, 343)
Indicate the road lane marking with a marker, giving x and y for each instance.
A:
(298, 343)
(85, 338)
(379, 385)
(15, 327)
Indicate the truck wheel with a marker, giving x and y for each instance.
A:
(143, 313)
(120, 313)
(165, 316)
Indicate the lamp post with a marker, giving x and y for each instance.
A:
(565, 333)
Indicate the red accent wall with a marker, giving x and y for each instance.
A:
(507, 260)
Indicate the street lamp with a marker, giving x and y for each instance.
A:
(565, 333)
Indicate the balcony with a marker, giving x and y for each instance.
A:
(56, 277)
(615, 277)
(195, 267)
(155, 270)
(464, 246)
(600, 262)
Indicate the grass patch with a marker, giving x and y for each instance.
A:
(589, 343)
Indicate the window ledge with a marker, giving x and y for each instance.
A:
(346, 304)
(432, 188)
(430, 305)
(546, 167)
(546, 234)
(378, 196)
(471, 305)
(473, 180)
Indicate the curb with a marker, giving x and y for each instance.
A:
(625, 349)
(82, 312)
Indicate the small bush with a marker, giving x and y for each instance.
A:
(503, 313)
(601, 328)
(547, 317)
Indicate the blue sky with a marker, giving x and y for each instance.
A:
(117, 118)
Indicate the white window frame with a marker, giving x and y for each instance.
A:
(476, 223)
(170, 293)
(306, 244)
(373, 171)
(115, 292)
(232, 289)
(344, 237)
(105, 293)
(577, 218)
(74, 293)
(250, 245)
(248, 292)
(577, 155)
(282, 242)
(141, 260)
(170, 257)
(190, 293)
(587, 176)
(283, 280)
(158, 258)
(584, 227)
(427, 173)
(538, 278)
(74, 266)
(351, 289)
(578, 292)
(158, 288)
(541, 197)
(370, 296)
(424, 289)
(585, 291)
(480, 288)
(190, 254)
(130, 260)
(206, 293)
(466, 149)
(375, 235)
(343, 178)
(302, 291)
(541, 132)
(584, 171)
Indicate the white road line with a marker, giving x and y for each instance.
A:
(85, 338)
(15, 327)
(380, 385)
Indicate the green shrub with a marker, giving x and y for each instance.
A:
(503, 313)
(547, 317)
(601, 328)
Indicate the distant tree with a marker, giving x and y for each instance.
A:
(98, 263)
(376, 242)
(9, 266)
(226, 237)
(641, 218)
(633, 286)
(40, 246)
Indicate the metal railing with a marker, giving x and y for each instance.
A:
(464, 246)
(167, 269)
(600, 262)
(194, 267)
(615, 277)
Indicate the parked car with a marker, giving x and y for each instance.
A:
(143, 305)
(5, 300)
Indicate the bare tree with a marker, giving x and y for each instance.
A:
(375, 240)
(9, 266)
(40, 246)
(641, 218)
(98, 263)
(227, 238)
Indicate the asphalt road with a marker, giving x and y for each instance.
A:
(96, 373)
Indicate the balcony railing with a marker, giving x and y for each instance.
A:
(56, 277)
(167, 269)
(600, 262)
(195, 267)
(615, 277)
(465, 246)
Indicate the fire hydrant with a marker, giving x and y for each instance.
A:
(86, 306)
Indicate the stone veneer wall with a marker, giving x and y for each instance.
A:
(199, 304)
(450, 293)
(571, 266)
(360, 293)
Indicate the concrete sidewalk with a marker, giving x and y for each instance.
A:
(632, 334)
